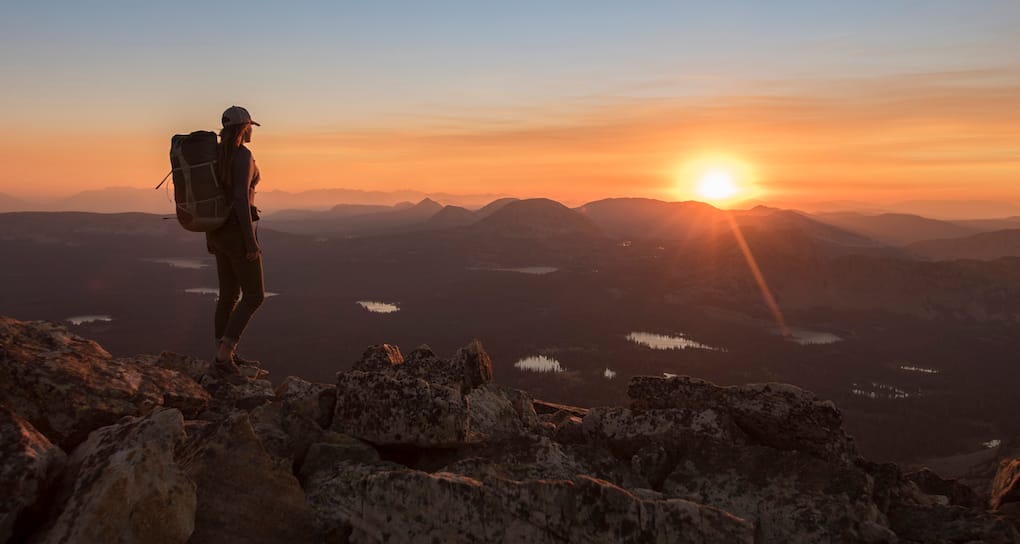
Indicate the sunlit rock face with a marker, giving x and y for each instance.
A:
(66, 386)
(423, 447)
(127, 487)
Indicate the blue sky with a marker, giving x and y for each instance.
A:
(317, 63)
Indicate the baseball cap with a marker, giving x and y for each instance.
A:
(236, 115)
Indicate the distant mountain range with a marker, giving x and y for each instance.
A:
(897, 229)
(984, 246)
(133, 199)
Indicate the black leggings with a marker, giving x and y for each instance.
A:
(237, 276)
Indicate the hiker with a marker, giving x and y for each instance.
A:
(235, 244)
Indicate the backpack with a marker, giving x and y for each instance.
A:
(202, 200)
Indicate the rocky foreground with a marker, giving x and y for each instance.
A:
(419, 448)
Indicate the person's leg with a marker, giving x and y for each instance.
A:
(249, 275)
(230, 293)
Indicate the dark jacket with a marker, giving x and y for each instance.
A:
(236, 237)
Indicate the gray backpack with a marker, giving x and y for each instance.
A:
(202, 199)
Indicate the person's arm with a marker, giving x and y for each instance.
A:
(243, 172)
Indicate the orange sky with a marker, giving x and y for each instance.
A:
(952, 135)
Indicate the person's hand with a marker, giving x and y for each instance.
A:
(252, 256)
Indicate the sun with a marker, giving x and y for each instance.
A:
(719, 179)
(716, 185)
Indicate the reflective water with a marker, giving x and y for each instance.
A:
(532, 270)
(215, 292)
(379, 307)
(921, 369)
(875, 390)
(662, 341)
(175, 262)
(609, 373)
(807, 337)
(539, 363)
(80, 319)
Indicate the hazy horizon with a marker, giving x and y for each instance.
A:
(133, 199)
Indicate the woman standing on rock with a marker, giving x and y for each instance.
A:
(235, 244)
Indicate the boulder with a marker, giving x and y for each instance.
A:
(228, 397)
(495, 411)
(29, 464)
(383, 408)
(379, 358)
(297, 417)
(66, 386)
(243, 495)
(316, 401)
(475, 365)
(776, 415)
(423, 400)
(1006, 484)
(126, 486)
(388, 505)
(955, 492)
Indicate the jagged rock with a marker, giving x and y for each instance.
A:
(66, 386)
(29, 463)
(427, 401)
(127, 487)
(317, 401)
(429, 449)
(475, 365)
(379, 358)
(243, 496)
(384, 408)
(954, 492)
(494, 411)
(1006, 485)
(190, 366)
(777, 415)
(370, 505)
(294, 420)
(227, 397)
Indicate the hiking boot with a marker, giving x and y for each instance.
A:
(241, 361)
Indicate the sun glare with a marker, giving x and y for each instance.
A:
(717, 185)
(716, 178)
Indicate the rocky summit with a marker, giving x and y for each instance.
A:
(424, 448)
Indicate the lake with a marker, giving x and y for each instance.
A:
(531, 270)
(875, 390)
(181, 262)
(81, 319)
(378, 307)
(662, 341)
(539, 363)
(215, 291)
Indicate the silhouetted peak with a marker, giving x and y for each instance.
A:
(495, 205)
(428, 203)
